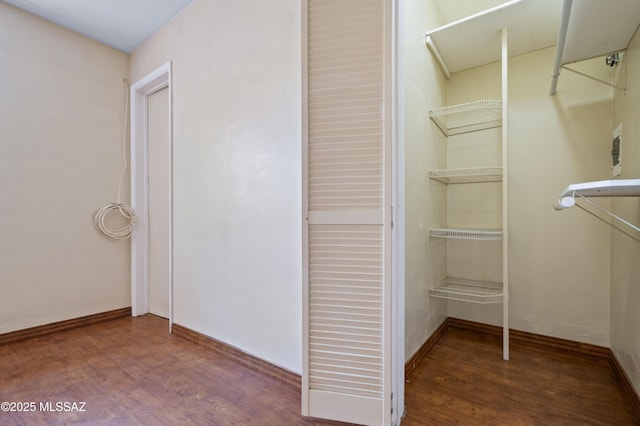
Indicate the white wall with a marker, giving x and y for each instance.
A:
(61, 126)
(559, 261)
(237, 171)
(425, 150)
(625, 269)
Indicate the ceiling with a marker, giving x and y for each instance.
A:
(123, 24)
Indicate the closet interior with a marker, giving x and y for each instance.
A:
(475, 216)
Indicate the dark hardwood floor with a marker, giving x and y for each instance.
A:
(130, 371)
(464, 381)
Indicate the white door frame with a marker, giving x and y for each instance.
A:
(398, 203)
(140, 91)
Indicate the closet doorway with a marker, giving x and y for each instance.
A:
(159, 201)
(152, 195)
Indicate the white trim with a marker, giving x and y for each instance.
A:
(140, 91)
(505, 196)
(398, 231)
(305, 207)
(389, 139)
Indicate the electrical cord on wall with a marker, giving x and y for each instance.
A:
(100, 215)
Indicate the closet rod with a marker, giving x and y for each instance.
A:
(562, 38)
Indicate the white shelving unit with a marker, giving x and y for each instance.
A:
(454, 120)
(467, 175)
(468, 117)
(459, 39)
(465, 290)
(475, 40)
(604, 188)
(467, 234)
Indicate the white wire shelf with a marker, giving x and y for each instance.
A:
(467, 234)
(468, 291)
(467, 175)
(468, 117)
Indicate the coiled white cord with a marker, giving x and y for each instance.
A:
(100, 215)
(99, 221)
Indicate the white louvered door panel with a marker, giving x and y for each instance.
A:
(346, 173)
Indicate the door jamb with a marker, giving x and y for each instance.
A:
(398, 215)
(156, 80)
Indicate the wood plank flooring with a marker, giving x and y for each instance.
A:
(130, 371)
(464, 381)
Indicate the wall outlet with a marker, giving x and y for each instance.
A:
(616, 151)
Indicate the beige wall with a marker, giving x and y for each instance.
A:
(237, 171)
(425, 150)
(559, 261)
(61, 119)
(625, 268)
(237, 177)
(571, 276)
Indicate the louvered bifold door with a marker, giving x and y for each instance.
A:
(346, 150)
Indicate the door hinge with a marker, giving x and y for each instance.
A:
(391, 403)
(393, 216)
